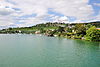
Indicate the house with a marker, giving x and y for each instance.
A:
(98, 28)
(19, 31)
(37, 32)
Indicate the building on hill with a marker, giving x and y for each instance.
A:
(98, 28)
(37, 32)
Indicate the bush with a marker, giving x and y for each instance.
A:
(92, 34)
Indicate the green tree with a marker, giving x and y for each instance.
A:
(61, 29)
(88, 26)
(80, 29)
(92, 34)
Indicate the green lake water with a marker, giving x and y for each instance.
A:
(42, 51)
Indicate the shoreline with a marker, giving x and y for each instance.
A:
(48, 36)
(82, 31)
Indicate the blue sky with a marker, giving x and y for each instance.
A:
(22, 13)
(95, 7)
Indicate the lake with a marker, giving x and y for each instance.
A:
(23, 50)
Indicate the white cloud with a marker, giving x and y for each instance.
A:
(77, 21)
(6, 11)
(5, 3)
(30, 22)
(62, 19)
(95, 18)
(76, 8)
(6, 21)
(5, 16)
(96, 4)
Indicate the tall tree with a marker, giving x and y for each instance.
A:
(80, 29)
(92, 34)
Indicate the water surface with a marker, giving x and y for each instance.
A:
(42, 51)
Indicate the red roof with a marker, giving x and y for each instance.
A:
(98, 28)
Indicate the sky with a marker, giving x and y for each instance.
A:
(24, 13)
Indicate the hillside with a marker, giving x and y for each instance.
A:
(74, 31)
(44, 27)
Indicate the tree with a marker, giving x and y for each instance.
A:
(61, 29)
(80, 29)
(92, 34)
(88, 26)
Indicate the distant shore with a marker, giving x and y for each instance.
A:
(83, 31)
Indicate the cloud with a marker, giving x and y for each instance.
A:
(77, 8)
(7, 14)
(6, 11)
(5, 22)
(14, 9)
(62, 19)
(30, 22)
(95, 18)
(96, 4)
(6, 8)
(98, 17)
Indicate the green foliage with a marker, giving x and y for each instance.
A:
(92, 34)
(75, 31)
(66, 29)
(80, 29)
(61, 29)
(88, 26)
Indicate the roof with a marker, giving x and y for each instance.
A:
(98, 28)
